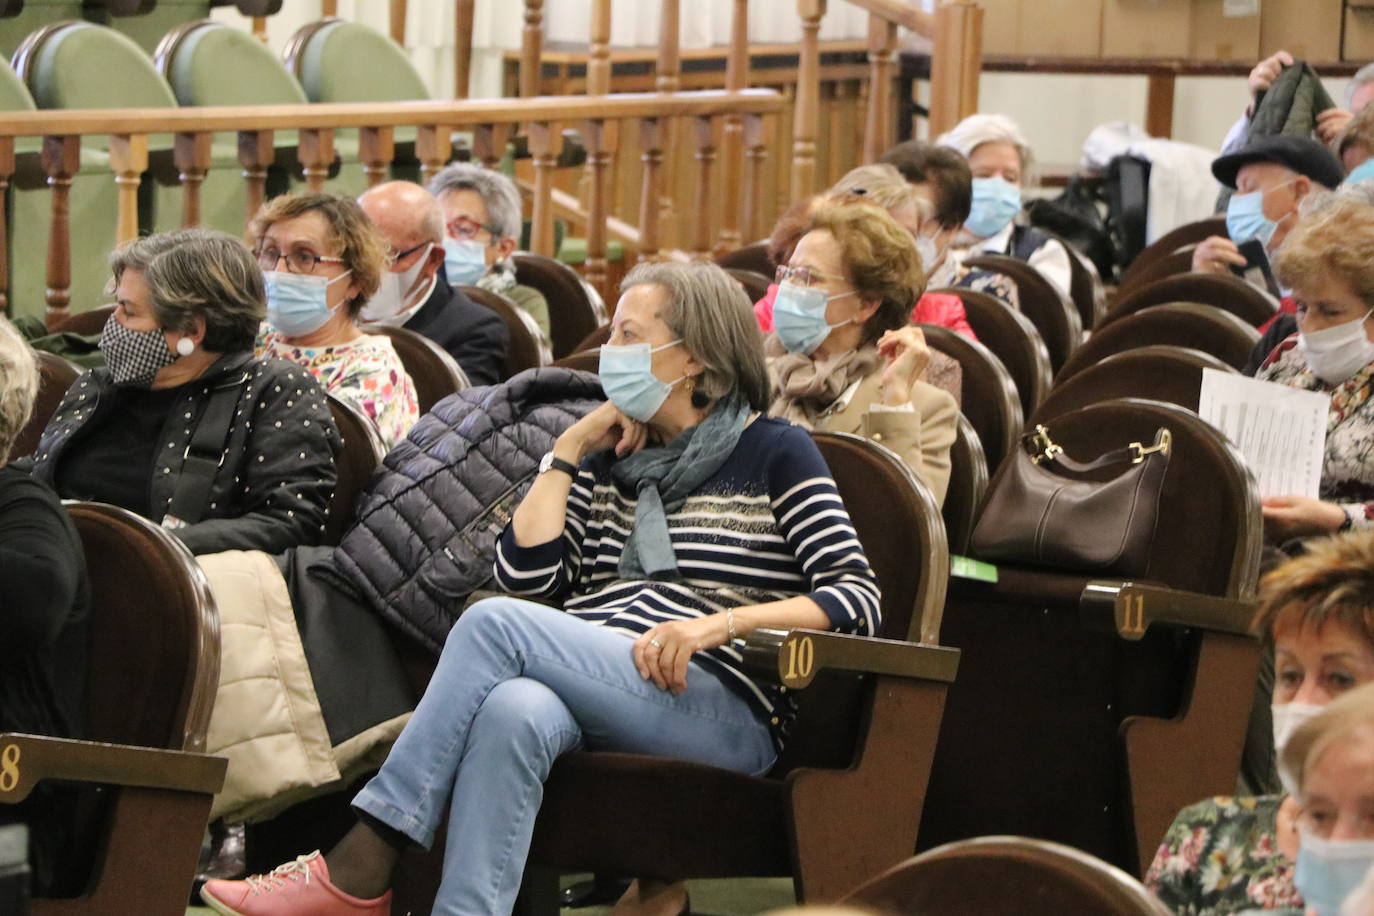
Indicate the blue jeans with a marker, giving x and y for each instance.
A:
(517, 685)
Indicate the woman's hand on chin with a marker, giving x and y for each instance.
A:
(662, 654)
(1300, 516)
(603, 428)
(907, 354)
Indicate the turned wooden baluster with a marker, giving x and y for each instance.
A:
(541, 137)
(376, 149)
(128, 161)
(256, 153)
(329, 8)
(489, 143)
(316, 153)
(882, 45)
(806, 120)
(599, 55)
(61, 160)
(668, 80)
(732, 134)
(756, 139)
(601, 139)
(191, 156)
(463, 19)
(653, 134)
(398, 22)
(6, 172)
(531, 47)
(955, 63)
(260, 28)
(703, 132)
(433, 147)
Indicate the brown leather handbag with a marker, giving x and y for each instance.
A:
(1042, 509)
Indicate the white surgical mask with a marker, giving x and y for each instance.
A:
(1330, 870)
(1336, 353)
(394, 293)
(1288, 717)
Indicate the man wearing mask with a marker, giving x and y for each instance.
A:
(416, 294)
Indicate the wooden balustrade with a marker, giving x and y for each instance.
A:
(490, 122)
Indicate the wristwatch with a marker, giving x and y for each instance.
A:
(551, 462)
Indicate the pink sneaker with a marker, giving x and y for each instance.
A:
(300, 887)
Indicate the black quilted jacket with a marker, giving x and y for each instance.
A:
(426, 531)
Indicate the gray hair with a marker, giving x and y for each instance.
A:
(498, 194)
(977, 129)
(18, 386)
(201, 273)
(1363, 77)
(710, 312)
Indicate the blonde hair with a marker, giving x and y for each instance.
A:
(880, 257)
(362, 249)
(1359, 132)
(1332, 240)
(18, 386)
(1332, 582)
(885, 186)
(1344, 717)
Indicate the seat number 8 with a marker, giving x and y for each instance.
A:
(9, 768)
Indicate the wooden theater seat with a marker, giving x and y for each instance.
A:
(1091, 708)
(1183, 324)
(55, 376)
(363, 451)
(1170, 243)
(1052, 313)
(572, 313)
(594, 340)
(89, 323)
(751, 257)
(523, 351)
(989, 397)
(1014, 339)
(432, 369)
(868, 709)
(1008, 876)
(582, 360)
(968, 481)
(1227, 292)
(755, 284)
(1159, 373)
(153, 671)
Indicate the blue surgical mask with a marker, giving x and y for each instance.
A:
(465, 262)
(1245, 217)
(1362, 172)
(995, 203)
(1329, 870)
(799, 317)
(298, 304)
(627, 377)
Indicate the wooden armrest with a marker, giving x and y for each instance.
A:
(25, 760)
(795, 657)
(1131, 608)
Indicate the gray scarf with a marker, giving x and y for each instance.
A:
(664, 476)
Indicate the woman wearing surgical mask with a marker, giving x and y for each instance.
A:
(482, 224)
(183, 425)
(1232, 855)
(664, 527)
(1355, 148)
(322, 260)
(843, 355)
(999, 157)
(1325, 260)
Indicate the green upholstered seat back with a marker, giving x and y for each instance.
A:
(331, 67)
(14, 95)
(90, 66)
(219, 65)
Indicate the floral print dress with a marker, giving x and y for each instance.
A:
(365, 373)
(1221, 856)
(1348, 471)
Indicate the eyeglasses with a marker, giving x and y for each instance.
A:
(802, 276)
(466, 229)
(394, 256)
(297, 262)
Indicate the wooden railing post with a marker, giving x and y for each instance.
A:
(653, 134)
(376, 149)
(191, 155)
(434, 148)
(128, 161)
(256, 153)
(601, 139)
(732, 133)
(955, 63)
(489, 143)
(61, 160)
(599, 53)
(541, 138)
(531, 46)
(329, 8)
(882, 44)
(316, 152)
(668, 79)
(260, 28)
(398, 22)
(463, 19)
(752, 216)
(704, 133)
(806, 120)
(7, 166)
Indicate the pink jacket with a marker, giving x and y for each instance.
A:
(944, 309)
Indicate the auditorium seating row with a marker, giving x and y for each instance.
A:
(1045, 704)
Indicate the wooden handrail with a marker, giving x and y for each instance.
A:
(903, 14)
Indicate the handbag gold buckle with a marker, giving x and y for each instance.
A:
(1164, 440)
(1043, 445)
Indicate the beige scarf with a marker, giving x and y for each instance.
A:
(805, 388)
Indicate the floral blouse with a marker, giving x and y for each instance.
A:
(1348, 470)
(365, 373)
(1221, 856)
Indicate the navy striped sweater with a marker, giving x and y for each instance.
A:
(768, 525)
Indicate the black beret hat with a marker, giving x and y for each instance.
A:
(1301, 154)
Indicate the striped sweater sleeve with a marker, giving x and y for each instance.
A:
(813, 520)
(547, 570)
